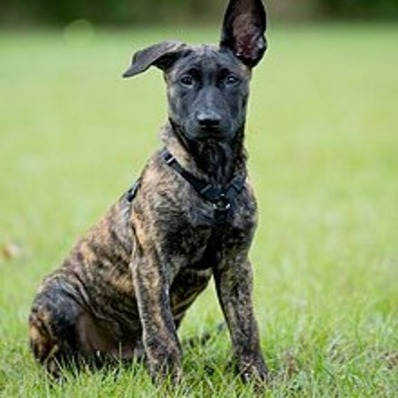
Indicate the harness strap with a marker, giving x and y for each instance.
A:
(221, 198)
(132, 192)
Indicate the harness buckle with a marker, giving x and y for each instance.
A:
(168, 158)
(222, 204)
(221, 209)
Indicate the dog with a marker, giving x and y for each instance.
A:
(126, 284)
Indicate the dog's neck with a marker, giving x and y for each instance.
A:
(214, 161)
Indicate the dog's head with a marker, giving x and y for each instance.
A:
(208, 86)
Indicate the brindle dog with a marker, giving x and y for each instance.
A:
(192, 214)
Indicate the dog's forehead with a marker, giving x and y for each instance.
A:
(209, 58)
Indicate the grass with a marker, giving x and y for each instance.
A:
(322, 138)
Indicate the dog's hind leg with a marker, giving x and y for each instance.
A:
(53, 329)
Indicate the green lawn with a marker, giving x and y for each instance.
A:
(323, 144)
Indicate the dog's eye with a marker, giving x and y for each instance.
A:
(187, 80)
(231, 80)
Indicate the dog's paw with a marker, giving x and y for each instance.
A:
(254, 371)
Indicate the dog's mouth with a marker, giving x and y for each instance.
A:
(199, 133)
(210, 132)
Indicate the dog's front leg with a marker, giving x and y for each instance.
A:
(234, 288)
(159, 333)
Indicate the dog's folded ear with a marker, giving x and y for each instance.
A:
(243, 30)
(161, 55)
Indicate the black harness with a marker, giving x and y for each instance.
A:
(222, 199)
(132, 192)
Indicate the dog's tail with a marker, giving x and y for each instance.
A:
(203, 339)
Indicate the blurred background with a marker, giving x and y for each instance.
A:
(141, 12)
(322, 139)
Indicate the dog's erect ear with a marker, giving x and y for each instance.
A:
(243, 30)
(161, 55)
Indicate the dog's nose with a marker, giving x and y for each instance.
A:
(208, 120)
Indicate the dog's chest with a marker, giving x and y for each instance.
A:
(199, 242)
(186, 243)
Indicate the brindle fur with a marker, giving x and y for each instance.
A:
(129, 281)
